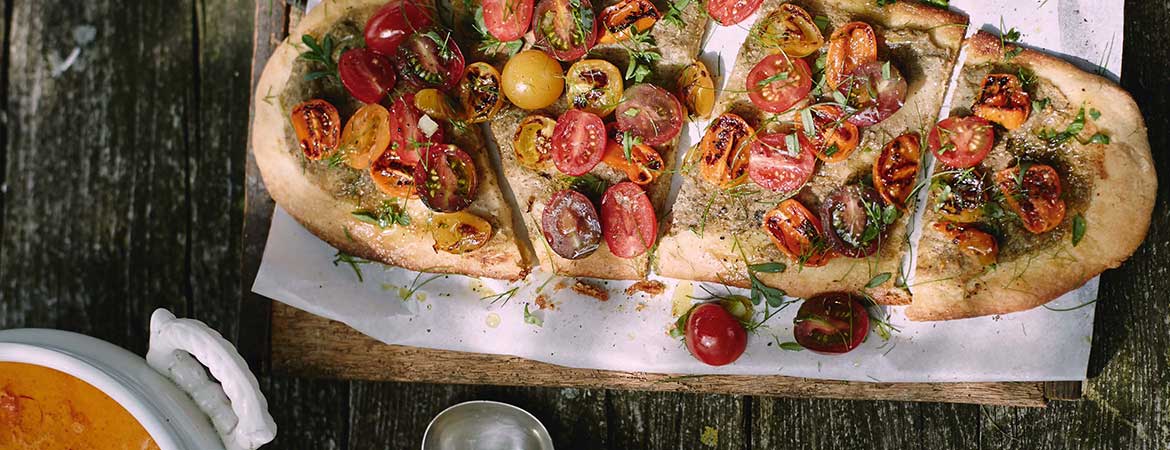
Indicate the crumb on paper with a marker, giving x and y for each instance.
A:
(652, 288)
(710, 436)
(493, 320)
(561, 285)
(543, 302)
(591, 290)
(641, 307)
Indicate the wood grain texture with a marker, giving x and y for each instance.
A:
(656, 421)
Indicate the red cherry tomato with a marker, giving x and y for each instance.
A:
(565, 30)
(446, 178)
(366, 75)
(714, 336)
(407, 140)
(627, 220)
(507, 20)
(578, 142)
(831, 323)
(852, 231)
(570, 225)
(393, 23)
(962, 142)
(779, 82)
(731, 12)
(651, 113)
(773, 167)
(876, 90)
(430, 59)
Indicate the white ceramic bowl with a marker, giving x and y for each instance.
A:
(171, 395)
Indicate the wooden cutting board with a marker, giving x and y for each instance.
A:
(305, 344)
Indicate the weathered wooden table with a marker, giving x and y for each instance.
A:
(124, 136)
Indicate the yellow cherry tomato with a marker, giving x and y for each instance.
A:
(533, 80)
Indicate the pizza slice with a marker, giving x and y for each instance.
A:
(1044, 180)
(803, 183)
(347, 141)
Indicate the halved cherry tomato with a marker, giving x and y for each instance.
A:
(578, 142)
(627, 220)
(973, 242)
(570, 225)
(773, 166)
(834, 322)
(566, 28)
(430, 59)
(961, 142)
(436, 104)
(479, 92)
(393, 22)
(696, 89)
(460, 232)
(731, 12)
(642, 164)
(876, 90)
(725, 151)
(714, 336)
(594, 85)
(318, 128)
(851, 228)
(533, 141)
(651, 113)
(797, 232)
(779, 82)
(407, 138)
(623, 19)
(851, 46)
(366, 75)
(392, 176)
(1003, 100)
(834, 138)
(965, 196)
(1037, 202)
(791, 29)
(446, 178)
(507, 20)
(366, 135)
(895, 170)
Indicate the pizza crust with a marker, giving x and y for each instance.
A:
(1117, 216)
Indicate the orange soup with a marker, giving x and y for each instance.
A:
(41, 408)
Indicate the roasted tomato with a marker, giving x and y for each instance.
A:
(1038, 201)
(436, 104)
(850, 47)
(570, 225)
(566, 28)
(318, 128)
(713, 335)
(366, 136)
(446, 178)
(398, 19)
(961, 142)
(797, 232)
(408, 135)
(625, 18)
(791, 29)
(507, 20)
(725, 151)
(973, 242)
(594, 85)
(627, 220)
(852, 219)
(533, 141)
(696, 89)
(777, 167)
(778, 83)
(578, 142)
(641, 163)
(876, 91)
(895, 170)
(831, 323)
(393, 176)
(1003, 100)
(460, 232)
(479, 92)
(731, 12)
(430, 59)
(651, 113)
(366, 75)
(833, 138)
(962, 196)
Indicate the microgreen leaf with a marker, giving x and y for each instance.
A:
(532, 319)
(792, 346)
(878, 280)
(771, 267)
(1078, 229)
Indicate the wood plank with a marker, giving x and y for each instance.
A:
(310, 414)
(804, 423)
(654, 421)
(304, 344)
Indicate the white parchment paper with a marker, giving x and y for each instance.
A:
(630, 333)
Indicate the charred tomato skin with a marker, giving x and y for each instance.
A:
(318, 128)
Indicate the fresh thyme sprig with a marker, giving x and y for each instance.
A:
(354, 262)
(322, 53)
(503, 297)
(387, 215)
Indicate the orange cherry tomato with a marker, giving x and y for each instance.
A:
(1037, 202)
(623, 19)
(366, 135)
(318, 128)
(479, 92)
(834, 138)
(851, 46)
(797, 232)
(725, 150)
(896, 169)
(1003, 100)
(643, 165)
(979, 245)
(392, 175)
(791, 29)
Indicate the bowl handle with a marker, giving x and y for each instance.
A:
(178, 346)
